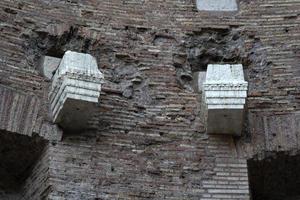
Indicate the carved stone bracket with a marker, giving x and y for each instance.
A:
(75, 89)
(225, 93)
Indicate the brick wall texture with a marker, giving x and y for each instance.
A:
(147, 138)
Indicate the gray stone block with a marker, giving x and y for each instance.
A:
(75, 91)
(225, 92)
(198, 80)
(217, 5)
(48, 65)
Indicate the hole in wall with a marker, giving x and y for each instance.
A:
(212, 46)
(276, 177)
(55, 52)
(42, 43)
(222, 46)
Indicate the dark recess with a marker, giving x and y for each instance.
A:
(275, 178)
(18, 155)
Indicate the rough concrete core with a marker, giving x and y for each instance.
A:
(217, 5)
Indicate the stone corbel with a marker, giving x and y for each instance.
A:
(75, 89)
(224, 97)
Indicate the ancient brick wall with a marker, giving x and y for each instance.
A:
(37, 184)
(147, 139)
(102, 168)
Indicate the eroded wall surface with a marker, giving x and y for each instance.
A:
(147, 139)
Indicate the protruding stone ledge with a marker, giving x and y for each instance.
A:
(225, 93)
(75, 90)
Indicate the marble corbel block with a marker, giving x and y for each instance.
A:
(225, 93)
(75, 90)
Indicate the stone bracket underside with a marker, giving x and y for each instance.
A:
(75, 90)
(225, 93)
